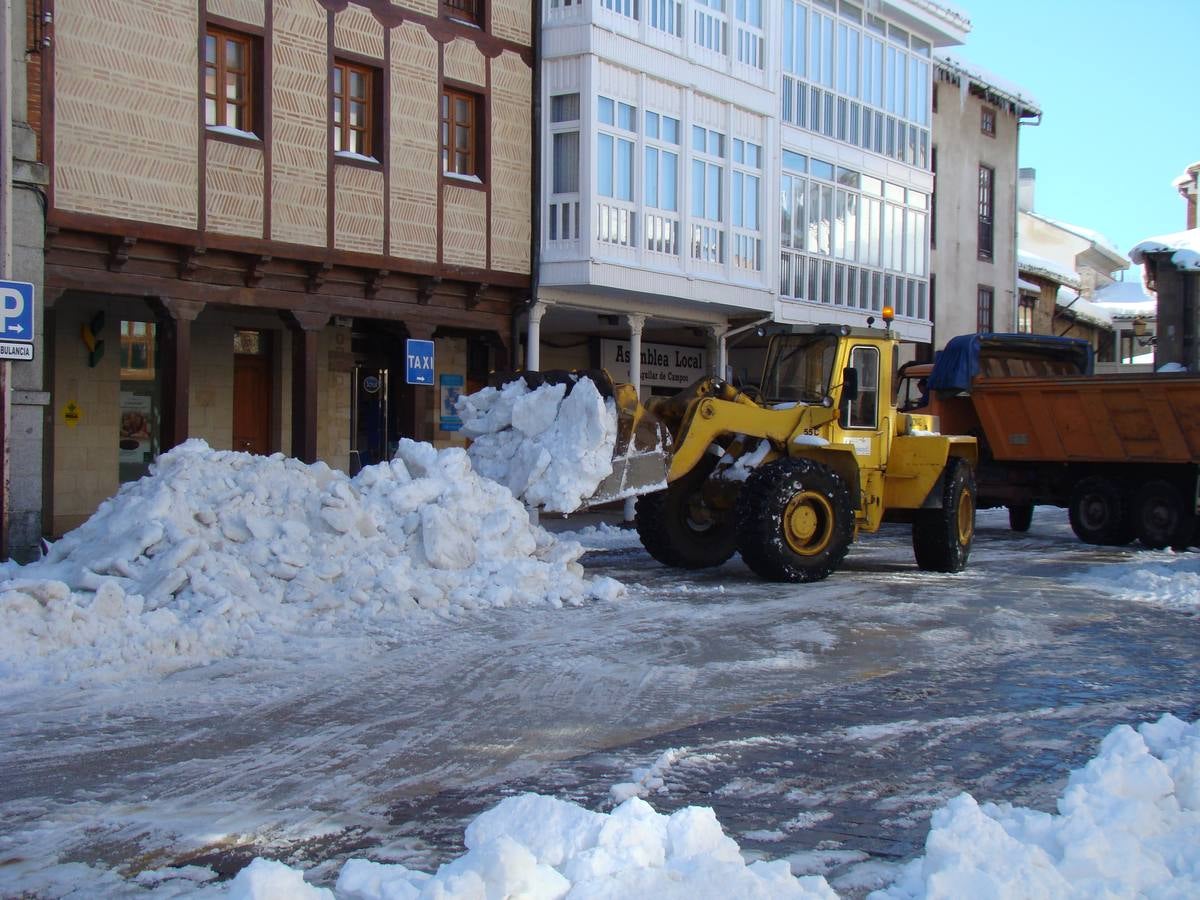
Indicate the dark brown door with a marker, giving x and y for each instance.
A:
(252, 403)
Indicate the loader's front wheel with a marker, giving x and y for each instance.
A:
(680, 528)
(942, 537)
(1099, 513)
(795, 521)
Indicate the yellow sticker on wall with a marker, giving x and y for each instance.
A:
(72, 413)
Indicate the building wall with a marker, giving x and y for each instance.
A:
(962, 148)
(128, 145)
(125, 141)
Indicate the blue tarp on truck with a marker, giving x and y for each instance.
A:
(956, 365)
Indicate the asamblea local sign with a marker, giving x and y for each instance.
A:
(663, 365)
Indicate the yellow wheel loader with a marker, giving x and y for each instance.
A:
(787, 474)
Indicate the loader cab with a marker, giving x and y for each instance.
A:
(799, 368)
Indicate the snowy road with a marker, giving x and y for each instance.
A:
(832, 717)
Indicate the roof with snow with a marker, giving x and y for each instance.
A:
(1040, 266)
(1094, 237)
(1070, 302)
(1019, 97)
(1188, 176)
(1184, 247)
(1126, 300)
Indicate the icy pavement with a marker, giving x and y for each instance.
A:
(823, 723)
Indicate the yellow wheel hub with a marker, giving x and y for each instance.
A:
(966, 517)
(808, 523)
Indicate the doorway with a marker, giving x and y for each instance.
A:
(372, 419)
(252, 391)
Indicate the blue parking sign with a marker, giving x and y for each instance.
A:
(419, 357)
(16, 311)
(16, 320)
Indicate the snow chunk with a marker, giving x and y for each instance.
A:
(549, 447)
(1128, 825)
(218, 552)
(534, 846)
(1184, 247)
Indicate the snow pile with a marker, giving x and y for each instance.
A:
(218, 550)
(1171, 580)
(1128, 825)
(549, 447)
(540, 848)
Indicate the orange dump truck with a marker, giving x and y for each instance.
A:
(1120, 452)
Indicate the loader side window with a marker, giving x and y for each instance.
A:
(863, 411)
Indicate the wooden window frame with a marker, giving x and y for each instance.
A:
(987, 121)
(344, 133)
(470, 11)
(147, 340)
(250, 103)
(987, 213)
(985, 313)
(448, 124)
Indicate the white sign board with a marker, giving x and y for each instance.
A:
(663, 365)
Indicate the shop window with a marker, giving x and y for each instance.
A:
(137, 439)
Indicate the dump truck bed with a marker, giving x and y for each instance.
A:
(1098, 418)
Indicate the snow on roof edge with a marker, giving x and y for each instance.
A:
(1184, 247)
(1088, 234)
(1046, 268)
(1002, 86)
(1082, 309)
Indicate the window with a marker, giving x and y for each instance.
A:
(464, 10)
(983, 310)
(987, 210)
(564, 109)
(355, 116)
(614, 152)
(137, 351)
(660, 165)
(230, 71)
(1025, 314)
(461, 133)
(987, 121)
(862, 411)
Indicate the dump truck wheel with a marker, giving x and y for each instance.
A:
(1161, 517)
(678, 528)
(1020, 516)
(1099, 513)
(795, 521)
(942, 537)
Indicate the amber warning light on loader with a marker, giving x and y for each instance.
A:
(887, 314)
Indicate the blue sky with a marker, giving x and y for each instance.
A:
(1118, 85)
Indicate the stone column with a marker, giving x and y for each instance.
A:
(636, 323)
(174, 344)
(305, 327)
(716, 346)
(533, 336)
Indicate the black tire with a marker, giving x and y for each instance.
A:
(795, 521)
(942, 537)
(1020, 516)
(1162, 516)
(1099, 513)
(679, 529)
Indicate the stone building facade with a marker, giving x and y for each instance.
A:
(254, 204)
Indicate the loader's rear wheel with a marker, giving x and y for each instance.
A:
(679, 528)
(1099, 513)
(1020, 516)
(942, 537)
(1162, 517)
(795, 521)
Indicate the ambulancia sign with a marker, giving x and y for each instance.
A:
(663, 365)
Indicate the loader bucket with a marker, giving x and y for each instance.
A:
(640, 456)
